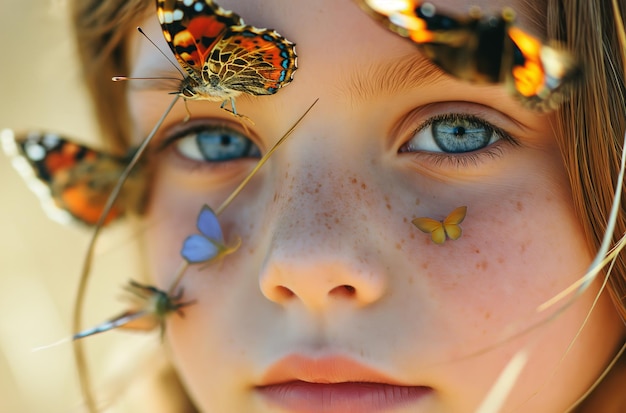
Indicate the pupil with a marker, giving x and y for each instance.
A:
(458, 131)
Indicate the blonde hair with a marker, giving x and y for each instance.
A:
(589, 127)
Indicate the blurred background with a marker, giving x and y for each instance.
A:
(40, 260)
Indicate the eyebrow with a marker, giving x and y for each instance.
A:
(404, 73)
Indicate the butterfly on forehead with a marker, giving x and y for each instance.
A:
(72, 180)
(483, 49)
(221, 55)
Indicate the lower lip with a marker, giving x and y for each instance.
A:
(305, 397)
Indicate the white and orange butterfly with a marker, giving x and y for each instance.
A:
(441, 230)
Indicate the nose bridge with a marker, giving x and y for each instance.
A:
(320, 250)
(321, 201)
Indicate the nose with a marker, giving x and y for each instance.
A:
(325, 245)
(320, 280)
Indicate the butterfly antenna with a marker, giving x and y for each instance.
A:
(121, 78)
(140, 30)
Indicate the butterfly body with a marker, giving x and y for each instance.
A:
(221, 55)
(483, 49)
(439, 231)
(72, 180)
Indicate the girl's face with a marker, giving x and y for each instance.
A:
(333, 286)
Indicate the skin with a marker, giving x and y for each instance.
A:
(333, 208)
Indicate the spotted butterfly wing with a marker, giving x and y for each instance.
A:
(72, 181)
(483, 49)
(221, 55)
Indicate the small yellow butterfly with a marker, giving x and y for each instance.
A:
(439, 230)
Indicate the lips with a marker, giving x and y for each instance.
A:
(300, 384)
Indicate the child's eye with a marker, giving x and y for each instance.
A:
(213, 143)
(453, 134)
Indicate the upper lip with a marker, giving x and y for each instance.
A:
(327, 370)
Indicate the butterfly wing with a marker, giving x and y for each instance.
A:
(254, 61)
(208, 224)
(468, 47)
(451, 222)
(432, 227)
(482, 50)
(542, 76)
(198, 248)
(135, 320)
(72, 181)
(192, 28)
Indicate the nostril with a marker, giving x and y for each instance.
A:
(344, 290)
(283, 293)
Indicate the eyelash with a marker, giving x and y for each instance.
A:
(195, 127)
(464, 159)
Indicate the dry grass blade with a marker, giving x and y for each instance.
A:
(79, 355)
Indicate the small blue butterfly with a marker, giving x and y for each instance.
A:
(209, 244)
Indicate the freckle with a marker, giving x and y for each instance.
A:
(500, 260)
(336, 220)
(412, 236)
(487, 315)
(476, 251)
(417, 201)
(425, 265)
(405, 220)
(482, 265)
(353, 180)
(275, 196)
(363, 186)
(398, 246)
(411, 280)
(520, 206)
(388, 206)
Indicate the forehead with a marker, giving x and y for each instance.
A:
(530, 12)
(333, 37)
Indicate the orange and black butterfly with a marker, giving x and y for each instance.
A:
(483, 49)
(441, 230)
(72, 181)
(221, 55)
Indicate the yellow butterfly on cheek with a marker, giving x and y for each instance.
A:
(441, 230)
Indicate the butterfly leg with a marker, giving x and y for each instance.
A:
(233, 112)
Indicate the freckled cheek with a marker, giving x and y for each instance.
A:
(507, 262)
